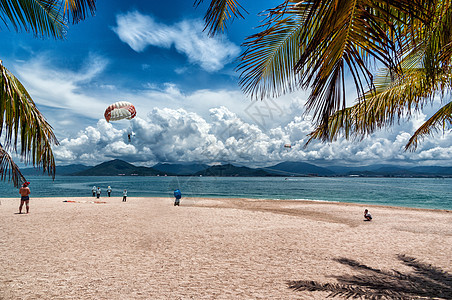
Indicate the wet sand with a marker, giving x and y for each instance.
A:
(146, 248)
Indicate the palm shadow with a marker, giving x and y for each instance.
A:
(425, 282)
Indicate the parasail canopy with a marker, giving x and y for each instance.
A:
(120, 110)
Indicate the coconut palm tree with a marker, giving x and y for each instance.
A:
(319, 44)
(21, 123)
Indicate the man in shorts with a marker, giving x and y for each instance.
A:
(24, 197)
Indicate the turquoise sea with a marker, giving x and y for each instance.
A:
(434, 193)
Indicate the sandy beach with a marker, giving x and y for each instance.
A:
(146, 248)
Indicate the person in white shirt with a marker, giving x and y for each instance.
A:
(94, 189)
(98, 192)
(124, 196)
(109, 191)
(367, 215)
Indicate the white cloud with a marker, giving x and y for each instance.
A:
(62, 88)
(140, 31)
(170, 135)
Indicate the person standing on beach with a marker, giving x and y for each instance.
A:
(94, 189)
(98, 192)
(124, 196)
(109, 191)
(178, 196)
(24, 197)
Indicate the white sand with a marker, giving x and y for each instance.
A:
(205, 249)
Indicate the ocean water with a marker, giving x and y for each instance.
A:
(433, 193)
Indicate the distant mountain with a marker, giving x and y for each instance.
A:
(392, 170)
(343, 170)
(229, 170)
(432, 170)
(297, 169)
(59, 170)
(118, 167)
(180, 169)
(70, 169)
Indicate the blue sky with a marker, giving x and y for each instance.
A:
(185, 89)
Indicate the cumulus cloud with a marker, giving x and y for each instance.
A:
(175, 135)
(140, 31)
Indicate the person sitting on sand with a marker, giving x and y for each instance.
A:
(367, 215)
(24, 196)
(178, 196)
(124, 196)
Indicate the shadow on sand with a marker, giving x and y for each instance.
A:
(425, 282)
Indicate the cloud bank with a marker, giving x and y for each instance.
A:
(175, 135)
(140, 31)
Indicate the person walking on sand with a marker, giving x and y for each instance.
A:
(109, 191)
(98, 192)
(94, 189)
(367, 215)
(178, 196)
(24, 197)
(124, 196)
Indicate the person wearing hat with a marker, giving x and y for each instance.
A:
(24, 197)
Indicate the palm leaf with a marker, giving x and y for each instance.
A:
(380, 108)
(8, 169)
(267, 64)
(327, 41)
(423, 74)
(78, 9)
(219, 12)
(440, 119)
(22, 123)
(43, 18)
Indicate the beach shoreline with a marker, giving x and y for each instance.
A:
(208, 248)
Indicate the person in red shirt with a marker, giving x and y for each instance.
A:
(24, 193)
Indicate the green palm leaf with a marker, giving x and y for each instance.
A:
(44, 17)
(440, 119)
(268, 63)
(23, 124)
(424, 74)
(8, 169)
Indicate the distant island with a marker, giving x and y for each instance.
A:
(119, 167)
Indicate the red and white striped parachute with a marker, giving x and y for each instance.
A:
(120, 110)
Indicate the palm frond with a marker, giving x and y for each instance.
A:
(267, 64)
(347, 39)
(396, 95)
(43, 18)
(8, 169)
(77, 10)
(46, 18)
(380, 108)
(21, 122)
(441, 119)
(219, 12)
